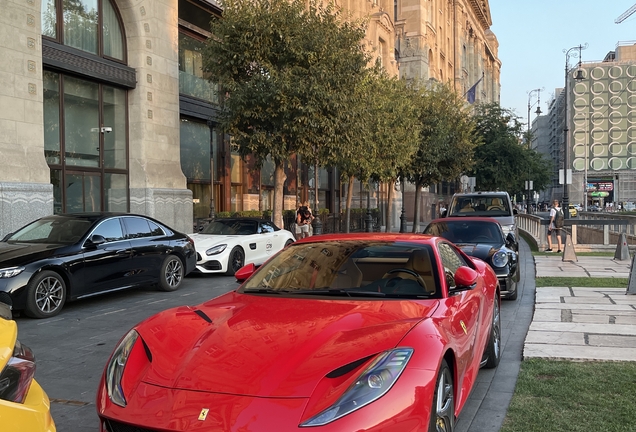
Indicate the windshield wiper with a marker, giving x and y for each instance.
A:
(264, 291)
(340, 293)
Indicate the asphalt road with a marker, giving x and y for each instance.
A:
(72, 348)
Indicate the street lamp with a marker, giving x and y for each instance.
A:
(403, 215)
(537, 112)
(566, 136)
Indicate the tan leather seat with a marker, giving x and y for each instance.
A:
(496, 204)
(420, 262)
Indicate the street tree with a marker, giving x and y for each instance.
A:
(289, 68)
(394, 129)
(503, 161)
(446, 142)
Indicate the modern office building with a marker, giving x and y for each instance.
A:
(104, 105)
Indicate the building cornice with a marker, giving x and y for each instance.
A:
(481, 8)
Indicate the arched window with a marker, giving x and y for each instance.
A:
(93, 26)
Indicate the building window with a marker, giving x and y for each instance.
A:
(93, 26)
(192, 80)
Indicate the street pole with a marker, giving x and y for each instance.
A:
(369, 220)
(403, 215)
(538, 112)
(566, 122)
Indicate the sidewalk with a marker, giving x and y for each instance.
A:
(582, 323)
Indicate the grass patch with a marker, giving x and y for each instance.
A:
(529, 240)
(573, 397)
(581, 282)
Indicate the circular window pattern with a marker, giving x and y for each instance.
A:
(578, 164)
(615, 102)
(578, 150)
(631, 133)
(631, 71)
(615, 163)
(579, 119)
(631, 148)
(631, 86)
(597, 103)
(580, 103)
(615, 72)
(597, 164)
(579, 136)
(615, 117)
(631, 116)
(598, 87)
(615, 133)
(598, 134)
(599, 149)
(631, 163)
(617, 149)
(631, 100)
(597, 73)
(597, 118)
(580, 88)
(615, 87)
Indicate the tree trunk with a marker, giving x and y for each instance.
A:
(389, 204)
(416, 210)
(279, 181)
(348, 209)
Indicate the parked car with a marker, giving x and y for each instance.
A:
(496, 205)
(70, 256)
(483, 238)
(629, 206)
(573, 211)
(334, 333)
(24, 405)
(594, 208)
(226, 245)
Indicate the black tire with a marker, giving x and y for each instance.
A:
(443, 410)
(493, 349)
(288, 242)
(513, 296)
(235, 261)
(46, 295)
(171, 273)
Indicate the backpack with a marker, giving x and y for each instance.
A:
(558, 219)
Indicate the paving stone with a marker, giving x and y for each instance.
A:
(568, 352)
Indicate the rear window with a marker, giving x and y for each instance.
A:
(480, 205)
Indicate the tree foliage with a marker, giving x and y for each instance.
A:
(502, 160)
(290, 69)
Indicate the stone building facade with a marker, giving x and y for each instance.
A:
(104, 105)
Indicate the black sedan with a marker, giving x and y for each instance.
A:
(70, 256)
(483, 238)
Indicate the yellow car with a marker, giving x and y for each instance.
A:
(24, 406)
(573, 211)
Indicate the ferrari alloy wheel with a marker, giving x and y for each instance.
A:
(443, 412)
(236, 261)
(46, 294)
(171, 274)
(493, 350)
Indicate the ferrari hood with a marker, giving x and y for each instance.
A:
(270, 347)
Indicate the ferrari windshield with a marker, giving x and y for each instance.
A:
(231, 227)
(349, 268)
(460, 231)
(54, 229)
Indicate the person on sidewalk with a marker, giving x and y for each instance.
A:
(556, 223)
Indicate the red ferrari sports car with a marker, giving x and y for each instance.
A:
(357, 332)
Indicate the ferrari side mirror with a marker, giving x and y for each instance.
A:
(245, 272)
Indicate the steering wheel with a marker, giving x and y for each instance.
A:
(417, 276)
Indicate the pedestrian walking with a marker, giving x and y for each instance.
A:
(555, 226)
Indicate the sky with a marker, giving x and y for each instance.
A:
(533, 34)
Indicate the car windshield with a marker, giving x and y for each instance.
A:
(462, 232)
(349, 269)
(52, 230)
(231, 227)
(480, 205)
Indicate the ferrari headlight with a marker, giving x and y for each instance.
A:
(216, 249)
(500, 258)
(10, 272)
(115, 368)
(373, 383)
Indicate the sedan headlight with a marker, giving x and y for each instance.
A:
(500, 258)
(216, 249)
(10, 272)
(116, 365)
(373, 383)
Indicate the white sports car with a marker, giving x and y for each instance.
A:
(226, 245)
